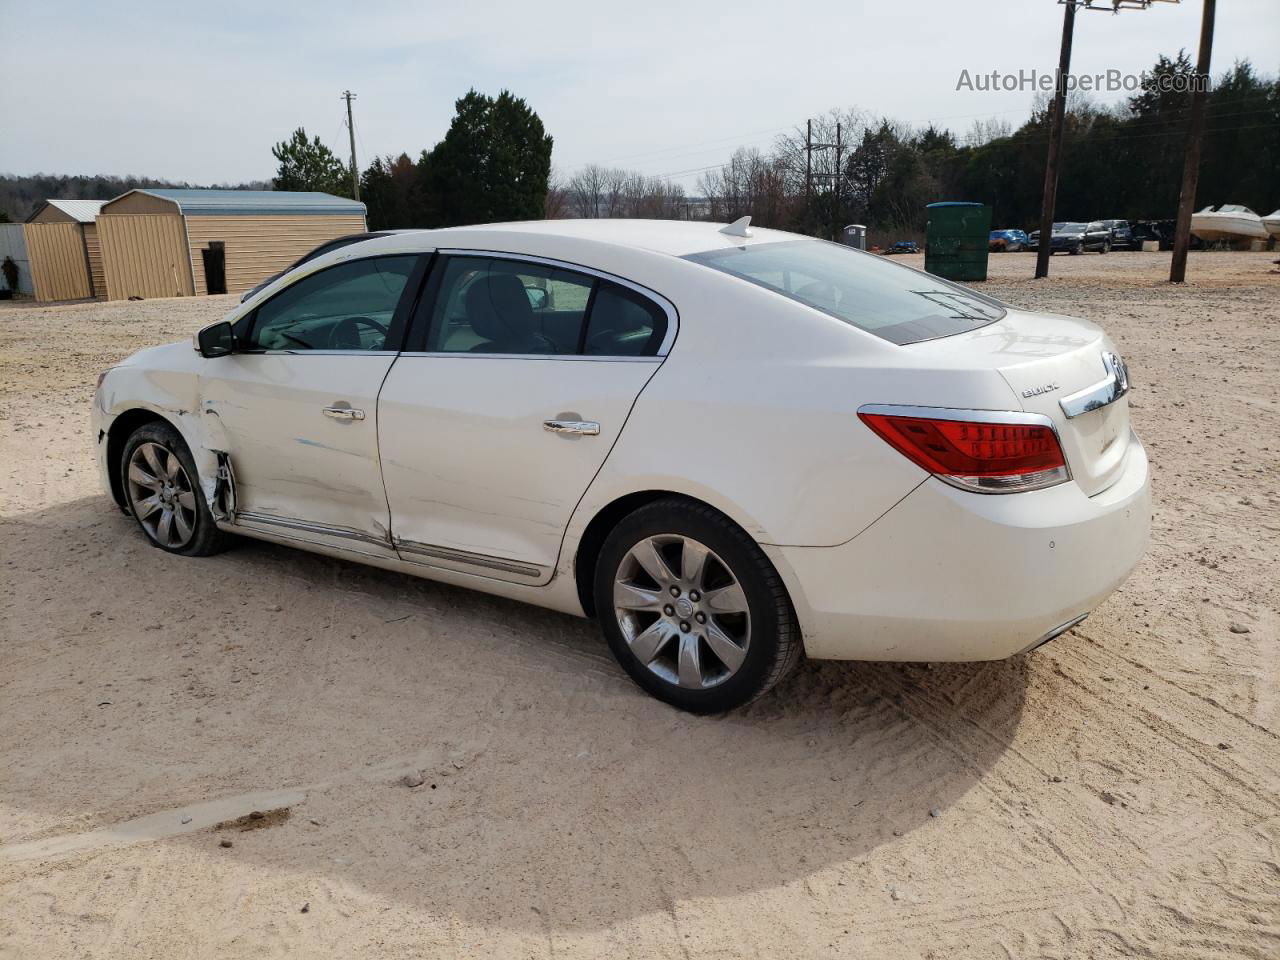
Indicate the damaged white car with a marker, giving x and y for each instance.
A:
(727, 445)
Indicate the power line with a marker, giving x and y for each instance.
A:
(694, 147)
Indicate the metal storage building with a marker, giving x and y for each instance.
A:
(13, 243)
(62, 244)
(181, 243)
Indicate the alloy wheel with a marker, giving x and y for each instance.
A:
(161, 495)
(682, 611)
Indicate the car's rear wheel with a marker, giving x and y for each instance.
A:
(693, 609)
(1106, 246)
(162, 487)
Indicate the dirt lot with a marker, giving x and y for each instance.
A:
(1115, 794)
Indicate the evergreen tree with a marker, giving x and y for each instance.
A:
(492, 165)
(309, 165)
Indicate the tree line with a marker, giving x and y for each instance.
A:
(1121, 161)
(19, 196)
(493, 164)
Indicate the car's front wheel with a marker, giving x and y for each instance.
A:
(162, 487)
(693, 609)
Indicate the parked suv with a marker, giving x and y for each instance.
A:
(1121, 234)
(1076, 238)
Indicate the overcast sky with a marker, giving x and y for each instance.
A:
(200, 91)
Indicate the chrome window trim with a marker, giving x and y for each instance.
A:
(431, 551)
(667, 307)
(346, 533)
(575, 357)
(309, 353)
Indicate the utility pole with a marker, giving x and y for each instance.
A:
(835, 226)
(808, 166)
(348, 96)
(1191, 163)
(1057, 121)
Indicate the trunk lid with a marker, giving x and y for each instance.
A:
(1046, 359)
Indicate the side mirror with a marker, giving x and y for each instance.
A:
(216, 340)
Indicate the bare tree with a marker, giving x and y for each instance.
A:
(557, 205)
(596, 191)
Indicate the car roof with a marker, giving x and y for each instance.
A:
(676, 238)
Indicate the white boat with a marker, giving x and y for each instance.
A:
(1272, 223)
(1229, 222)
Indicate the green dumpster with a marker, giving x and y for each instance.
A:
(956, 241)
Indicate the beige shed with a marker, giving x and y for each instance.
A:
(180, 243)
(66, 257)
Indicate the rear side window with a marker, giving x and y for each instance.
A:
(623, 324)
(491, 305)
(889, 300)
(494, 305)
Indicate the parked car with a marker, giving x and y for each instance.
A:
(905, 246)
(726, 445)
(1007, 241)
(1075, 238)
(327, 247)
(1162, 232)
(1121, 234)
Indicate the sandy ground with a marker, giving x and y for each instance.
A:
(1115, 794)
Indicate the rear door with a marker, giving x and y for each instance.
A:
(295, 407)
(516, 382)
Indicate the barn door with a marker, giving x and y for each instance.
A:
(59, 270)
(145, 255)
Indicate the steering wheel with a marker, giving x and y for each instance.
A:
(345, 334)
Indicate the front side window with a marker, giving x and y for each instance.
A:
(347, 307)
(492, 305)
(893, 302)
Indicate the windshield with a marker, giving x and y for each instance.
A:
(890, 300)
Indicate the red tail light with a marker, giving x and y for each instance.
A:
(984, 452)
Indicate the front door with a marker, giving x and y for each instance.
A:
(518, 379)
(296, 404)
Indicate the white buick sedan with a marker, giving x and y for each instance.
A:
(726, 444)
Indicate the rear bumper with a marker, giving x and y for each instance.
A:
(952, 575)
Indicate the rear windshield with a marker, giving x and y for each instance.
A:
(890, 300)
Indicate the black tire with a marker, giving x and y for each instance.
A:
(774, 645)
(1077, 249)
(206, 539)
(1106, 246)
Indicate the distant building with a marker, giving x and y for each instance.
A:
(63, 246)
(182, 243)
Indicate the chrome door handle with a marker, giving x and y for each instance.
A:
(344, 413)
(582, 428)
